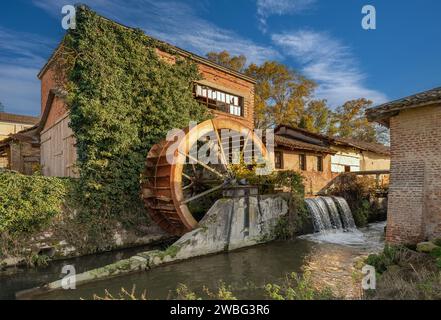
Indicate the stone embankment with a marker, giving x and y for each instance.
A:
(232, 223)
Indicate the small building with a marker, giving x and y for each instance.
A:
(354, 155)
(21, 151)
(224, 91)
(414, 206)
(14, 138)
(14, 123)
(321, 158)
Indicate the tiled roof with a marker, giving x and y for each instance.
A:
(296, 144)
(369, 146)
(327, 141)
(18, 118)
(29, 135)
(385, 111)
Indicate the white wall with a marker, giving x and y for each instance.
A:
(340, 160)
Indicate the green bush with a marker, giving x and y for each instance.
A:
(359, 193)
(392, 255)
(361, 213)
(28, 203)
(298, 287)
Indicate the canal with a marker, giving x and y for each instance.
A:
(329, 258)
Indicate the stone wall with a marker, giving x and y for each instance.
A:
(414, 209)
(231, 223)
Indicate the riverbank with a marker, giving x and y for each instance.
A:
(245, 272)
(406, 274)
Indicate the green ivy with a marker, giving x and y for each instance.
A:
(123, 99)
(28, 203)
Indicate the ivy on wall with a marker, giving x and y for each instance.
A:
(123, 99)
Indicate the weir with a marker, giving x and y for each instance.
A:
(330, 213)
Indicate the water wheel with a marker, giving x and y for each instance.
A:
(178, 187)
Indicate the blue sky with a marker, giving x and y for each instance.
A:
(322, 39)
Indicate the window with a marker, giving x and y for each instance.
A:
(302, 162)
(320, 164)
(219, 100)
(278, 160)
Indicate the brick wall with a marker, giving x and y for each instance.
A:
(414, 209)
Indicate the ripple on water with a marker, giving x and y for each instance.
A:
(369, 239)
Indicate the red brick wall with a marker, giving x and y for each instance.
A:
(414, 209)
(216, 77)
(228, 82)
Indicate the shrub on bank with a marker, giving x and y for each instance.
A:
(405, 274)
(28, 203)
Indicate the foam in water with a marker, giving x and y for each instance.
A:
(330, 213)
(333, 222)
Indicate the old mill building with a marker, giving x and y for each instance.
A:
(321, 158)
(222, 90)
(414, 208)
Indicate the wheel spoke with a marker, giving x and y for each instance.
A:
(219, 142)
(188, 186)
(245, 146)
(187, 176)
(203, 194)
(204, 165)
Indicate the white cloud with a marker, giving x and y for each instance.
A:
(267, 8)
(20, 59)
(175, 22)
(330, 63)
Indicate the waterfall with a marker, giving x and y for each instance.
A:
(330, 213)
(348, 219)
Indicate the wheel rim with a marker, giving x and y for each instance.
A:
(165, 186)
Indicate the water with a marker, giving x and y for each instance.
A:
(330, 213)
(342, 229)
(328, 254)
(17, 279)
(345, 213)
(247, 271)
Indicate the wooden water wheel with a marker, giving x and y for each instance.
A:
(178, 187)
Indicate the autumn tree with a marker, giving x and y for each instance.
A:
(280, 94)
(224, 58)
(351, 122)
(283, 96)
(316, 117)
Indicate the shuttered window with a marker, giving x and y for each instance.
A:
(219, 100)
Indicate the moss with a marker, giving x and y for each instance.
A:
(171, 251)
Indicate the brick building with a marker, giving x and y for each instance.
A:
(222, 90)
(414, 210)
(321, 158)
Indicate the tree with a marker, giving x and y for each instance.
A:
(280, 94)
(224, 58)
(2, 107)
(316, 117)
(350, 121)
